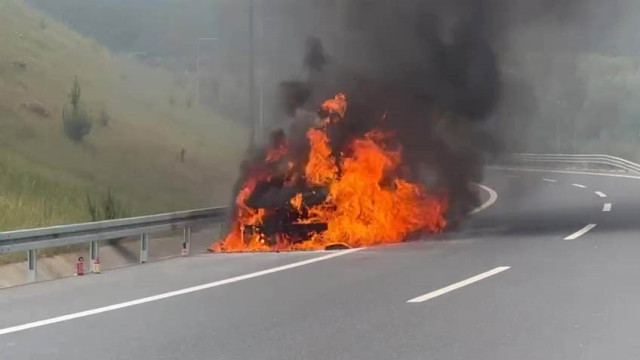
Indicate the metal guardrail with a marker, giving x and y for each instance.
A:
(92, 233)
(599, 159)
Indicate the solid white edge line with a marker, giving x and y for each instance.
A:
(458, 285)
(580, 232)
(606, 207)
(122, 305)
(493, 196)
(601, 194)
(550, 180)
(579, 186)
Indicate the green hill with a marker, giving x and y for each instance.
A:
(45, 177)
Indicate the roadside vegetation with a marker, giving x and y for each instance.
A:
(76, 120)
(577, 103)
(114, 133)
(106, 208)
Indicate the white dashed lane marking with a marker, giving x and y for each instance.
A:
(580, 232)
(458, 285)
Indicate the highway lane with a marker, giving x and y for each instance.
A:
(560, 299)
(623, 193)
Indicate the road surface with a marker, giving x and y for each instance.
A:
(550, 271)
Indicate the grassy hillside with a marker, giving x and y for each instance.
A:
(44, 177)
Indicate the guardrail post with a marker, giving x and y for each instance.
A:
(94, 254)
(32, 266)
(186, 241)
(144, 248)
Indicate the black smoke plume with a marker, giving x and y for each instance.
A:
(428, 71)
(426, 90)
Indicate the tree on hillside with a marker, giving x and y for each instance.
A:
(76, 121)
(108, 208)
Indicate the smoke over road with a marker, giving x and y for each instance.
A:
(427, 72)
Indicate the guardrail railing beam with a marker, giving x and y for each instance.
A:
(608, 160)
(93, 233)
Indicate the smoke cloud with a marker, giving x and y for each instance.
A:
(429, 71)
(426, 71)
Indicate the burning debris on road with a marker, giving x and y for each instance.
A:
(293, 200)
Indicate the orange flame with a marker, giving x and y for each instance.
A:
(337, 105)
(366, 205)
(365, 212)
(276, 153)
(296, 202)
(321, 168)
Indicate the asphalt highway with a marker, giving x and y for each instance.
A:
(549, 271)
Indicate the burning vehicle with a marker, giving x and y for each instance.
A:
(306, 195)
(396, 154)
